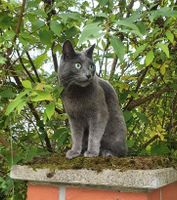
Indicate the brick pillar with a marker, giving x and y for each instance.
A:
(42, 192)
(50, 192)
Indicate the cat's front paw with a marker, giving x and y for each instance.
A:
(72, 154)
(90, 154)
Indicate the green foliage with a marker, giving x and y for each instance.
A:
(118, 47)
(149, 58)
(50, 109)
(90, 31)
(135, 51)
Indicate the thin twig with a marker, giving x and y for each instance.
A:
(17, 30)
(34, 125)
(33, 66)
(129, 8)
(113, 67)
(104, 53)
(21, 61)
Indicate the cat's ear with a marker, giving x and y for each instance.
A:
(68, 50)
(89, 51)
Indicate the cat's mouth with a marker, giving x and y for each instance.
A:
(83, 83)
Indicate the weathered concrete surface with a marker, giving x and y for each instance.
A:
(136, 180)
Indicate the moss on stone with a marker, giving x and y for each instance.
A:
(56, 161)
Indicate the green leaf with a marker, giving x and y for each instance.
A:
(103, 2)
(16, 102)
(163, 69)
(5, 20)
(42, 96)
(130, 25)
(142, 117)
(90, 31)
(40, 60)
(22, 94)
(149, 58)
(2, 60)
(127, 115)
(37, 24)
(27, 38)
(7, 93)
(58, 132)
(56, 27)
(61, 135)
(21, 106)
(65, 17)
(50, 109)
(164, 48)
(118, 47)
(142, 27)
(165, 11)
(139, 50)
(134, 16)
(170, 36)
(102, 14)
(160, 149)
(27, 84)
(13, 104)
(45, 37)
(130, 143)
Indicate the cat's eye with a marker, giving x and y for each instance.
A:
(91, 67)
(78, 65)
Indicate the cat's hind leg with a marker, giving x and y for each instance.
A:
(106, 153)
(119, 148)
(113, 147)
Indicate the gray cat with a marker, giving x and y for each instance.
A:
(96, 121)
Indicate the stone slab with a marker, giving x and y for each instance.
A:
(130, 180)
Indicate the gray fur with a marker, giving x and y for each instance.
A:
(96, 121)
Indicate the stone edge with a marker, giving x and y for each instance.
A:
(130, 180)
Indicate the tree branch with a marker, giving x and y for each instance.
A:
(4, 142)
(33, 66)
(14, 75)
(41, 127)
(104, 52)
(50, 11)
(149, 141)
(129, 8)
(113, 67)
(143, 99)
(172, 124)
(17, 30)
(21, 61)
(139, 82)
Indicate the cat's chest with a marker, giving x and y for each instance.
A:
(79, 105)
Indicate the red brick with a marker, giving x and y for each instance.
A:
(154, 195)
(169, 192)
(90, 194)
(42, 192)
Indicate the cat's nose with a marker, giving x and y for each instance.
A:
(88, 76)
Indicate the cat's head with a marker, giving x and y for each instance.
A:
(76, 68)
